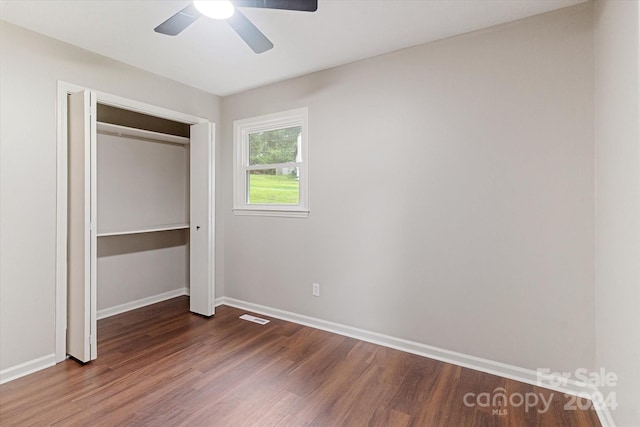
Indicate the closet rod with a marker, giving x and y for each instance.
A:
(108, 128)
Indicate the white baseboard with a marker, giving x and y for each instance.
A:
(27, 368)
(602, 410)
(504, 370)
(122, 308)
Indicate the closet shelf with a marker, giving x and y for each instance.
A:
(108, 128)
(149, 229)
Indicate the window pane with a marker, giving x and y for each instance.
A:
(275, 146)
(274, 186)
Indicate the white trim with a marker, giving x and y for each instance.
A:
(27, 368)
(604, 416)
(63, 89)
(143, 302)
(504, 370)
(241, 130)
(273, 166)
(93, 225)
(283, 213)
(149, 109)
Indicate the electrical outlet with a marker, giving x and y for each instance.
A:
(316, 289)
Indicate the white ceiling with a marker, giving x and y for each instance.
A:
(209, 55)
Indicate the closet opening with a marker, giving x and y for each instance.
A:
(140, 213)
(142, 209)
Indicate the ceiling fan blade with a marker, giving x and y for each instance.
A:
(249, 33)
(178, 22)
(300, 5)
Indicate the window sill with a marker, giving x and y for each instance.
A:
(272, 212)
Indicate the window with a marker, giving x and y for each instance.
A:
(271, 162)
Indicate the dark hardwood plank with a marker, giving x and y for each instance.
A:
(161, 365)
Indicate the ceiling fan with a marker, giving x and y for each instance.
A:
(221, 9)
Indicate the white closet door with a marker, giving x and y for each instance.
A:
(201, 234)
(81, 255)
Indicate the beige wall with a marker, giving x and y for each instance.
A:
(617, 143)
(30, 65)
(451, 195)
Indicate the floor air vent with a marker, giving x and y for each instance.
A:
(254, 319)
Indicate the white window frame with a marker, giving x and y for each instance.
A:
(241, 131)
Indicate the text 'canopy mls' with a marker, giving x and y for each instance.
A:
(274, 146)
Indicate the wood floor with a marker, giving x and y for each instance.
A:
(162, 366)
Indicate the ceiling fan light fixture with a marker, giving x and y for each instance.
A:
(216, 9)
